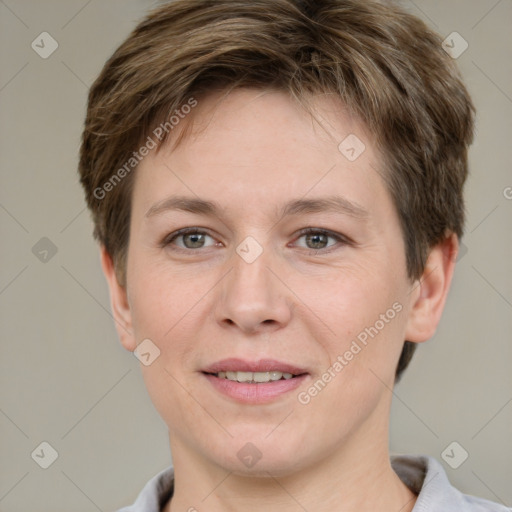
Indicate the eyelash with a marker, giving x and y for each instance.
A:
(340, 239)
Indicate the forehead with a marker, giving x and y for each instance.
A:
(270, 119)
(257, 148)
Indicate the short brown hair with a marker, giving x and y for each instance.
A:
(383, 63)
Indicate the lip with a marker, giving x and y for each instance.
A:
(263, 365)
(257, 393)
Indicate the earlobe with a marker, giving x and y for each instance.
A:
(118, 302)
(431, 291)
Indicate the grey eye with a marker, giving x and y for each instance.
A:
(190, 240)
(317, 241)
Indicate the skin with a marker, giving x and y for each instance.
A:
(252, 152)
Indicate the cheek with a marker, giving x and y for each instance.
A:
(165, 309)
(349, 299)
(361, 316)
(162, 298)
(362, 355)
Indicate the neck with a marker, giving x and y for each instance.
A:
(358, 477)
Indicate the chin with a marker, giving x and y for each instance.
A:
(261, 458)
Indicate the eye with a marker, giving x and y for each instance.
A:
(187, 239)
(318, 239)
(190, 238)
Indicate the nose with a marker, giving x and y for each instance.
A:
(253, 297)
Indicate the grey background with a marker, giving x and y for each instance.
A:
(66, 380)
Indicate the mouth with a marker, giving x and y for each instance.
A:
(254, 377)
(254, 382)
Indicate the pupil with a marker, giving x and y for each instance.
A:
(195, 238)
(315, 240)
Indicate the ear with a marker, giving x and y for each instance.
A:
(118, 302)
(431, 290)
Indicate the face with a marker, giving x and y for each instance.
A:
(267, 266)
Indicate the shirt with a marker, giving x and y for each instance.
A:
(422, 474)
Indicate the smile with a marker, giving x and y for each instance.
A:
(254, 377)
(254, 382)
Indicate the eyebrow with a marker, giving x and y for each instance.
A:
(335, 204)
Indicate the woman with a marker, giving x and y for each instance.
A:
(277, 189)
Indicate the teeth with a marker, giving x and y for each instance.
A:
(244, 376)
(261, 377)
(254, 377)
